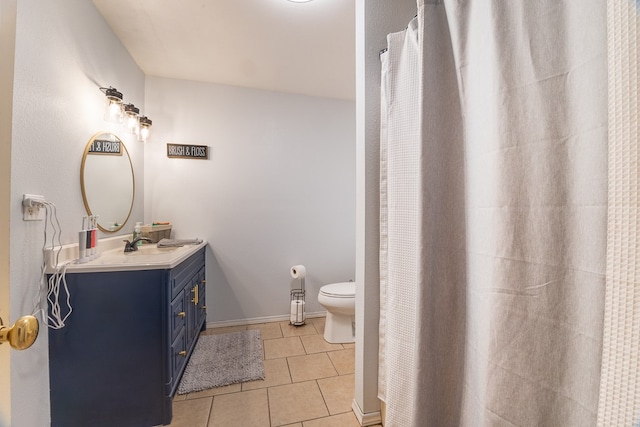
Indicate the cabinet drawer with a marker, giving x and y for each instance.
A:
(178, 357)
(178, 314)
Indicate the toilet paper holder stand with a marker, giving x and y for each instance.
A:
(297, 305)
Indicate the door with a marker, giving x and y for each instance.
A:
(7, 50)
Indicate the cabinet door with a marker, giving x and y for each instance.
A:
(196, 305)
(190, 294)
(107, 366)
(201, 316)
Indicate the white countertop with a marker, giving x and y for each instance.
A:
(113, 258)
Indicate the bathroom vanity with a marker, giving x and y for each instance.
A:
(135, 321)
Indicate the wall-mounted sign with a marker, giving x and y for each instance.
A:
(182, 151)
(104, 146)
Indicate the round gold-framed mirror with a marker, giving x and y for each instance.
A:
(107, 181)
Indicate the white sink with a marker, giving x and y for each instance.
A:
(145, 255)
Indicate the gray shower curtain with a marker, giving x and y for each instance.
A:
(494, 214)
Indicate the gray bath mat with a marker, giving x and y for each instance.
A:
(223, 359)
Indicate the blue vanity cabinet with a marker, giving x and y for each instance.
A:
(187, 283)
(120, 357)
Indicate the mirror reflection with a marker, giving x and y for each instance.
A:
(107, 181)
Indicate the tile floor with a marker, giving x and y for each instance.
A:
(308, 383)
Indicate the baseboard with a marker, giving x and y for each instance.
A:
(266, 319)
(368, 419)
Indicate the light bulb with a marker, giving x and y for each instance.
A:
(113, 106)
(144, 134)
(145, 124)
(113, 112)
(132, 125)
(131, 119)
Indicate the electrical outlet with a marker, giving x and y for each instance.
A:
(32, 209)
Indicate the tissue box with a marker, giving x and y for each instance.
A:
(156, 232)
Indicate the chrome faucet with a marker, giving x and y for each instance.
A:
(133, 245)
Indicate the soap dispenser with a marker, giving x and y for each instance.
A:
(137, 233)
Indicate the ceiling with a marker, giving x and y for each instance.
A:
(304, 48)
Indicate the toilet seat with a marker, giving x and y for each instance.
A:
(339, 290)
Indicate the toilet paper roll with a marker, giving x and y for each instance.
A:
(297, 312)
(298, 271)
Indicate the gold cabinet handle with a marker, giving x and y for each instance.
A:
(183, 353)
(203, 281)
(182, 314)
(195, 296)
(22, 334)
(204, 307)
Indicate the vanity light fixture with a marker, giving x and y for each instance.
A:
(131, 114)
(113, 106)
(116, 111)
(145, 124)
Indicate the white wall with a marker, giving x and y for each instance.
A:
(64, 51)
(278, 189)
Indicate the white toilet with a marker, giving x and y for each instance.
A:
(340, 301)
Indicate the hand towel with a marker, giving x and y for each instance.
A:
(174, 243)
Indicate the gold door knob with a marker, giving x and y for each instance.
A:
(182, 314)
(183, 353)
(22, 334)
